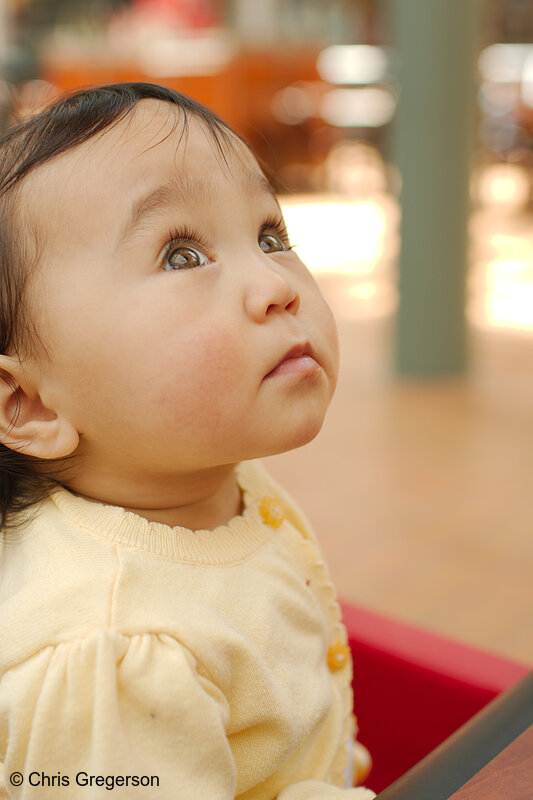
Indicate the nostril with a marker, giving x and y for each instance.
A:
(291, 306)
(294, 305)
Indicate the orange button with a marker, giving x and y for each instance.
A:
(338, 655)
(271, 512)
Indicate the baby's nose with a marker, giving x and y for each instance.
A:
(269, 291)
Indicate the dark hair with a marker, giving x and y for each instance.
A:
(68, 122)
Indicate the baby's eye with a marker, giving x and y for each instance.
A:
(271, 243)
(184, 257)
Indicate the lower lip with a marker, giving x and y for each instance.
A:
(302, 365)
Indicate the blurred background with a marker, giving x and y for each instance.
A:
(400, 134)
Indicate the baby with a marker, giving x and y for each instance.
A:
(168, 626)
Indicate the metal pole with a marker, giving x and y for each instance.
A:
(436, 44)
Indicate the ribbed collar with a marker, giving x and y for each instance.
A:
(225, 544)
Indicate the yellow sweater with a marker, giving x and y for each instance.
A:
(160, 662)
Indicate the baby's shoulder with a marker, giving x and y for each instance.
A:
(55, 583)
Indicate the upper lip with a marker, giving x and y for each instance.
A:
(296, 351)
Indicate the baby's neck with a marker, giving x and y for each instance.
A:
(205, 513)
(207, 501)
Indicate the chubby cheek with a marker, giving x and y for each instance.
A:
(200, 384)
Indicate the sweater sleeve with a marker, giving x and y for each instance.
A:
(78, 717)
(115, 705)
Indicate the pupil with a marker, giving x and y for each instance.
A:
(269, 243)
(183, 258)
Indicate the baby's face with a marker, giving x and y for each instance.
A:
(166, 297)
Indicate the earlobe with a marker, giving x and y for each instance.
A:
(26, 425)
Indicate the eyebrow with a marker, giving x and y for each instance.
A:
(177, 189)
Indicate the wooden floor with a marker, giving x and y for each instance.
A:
(422, 492)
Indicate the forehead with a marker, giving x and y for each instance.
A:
(144, 152)
(156, 130)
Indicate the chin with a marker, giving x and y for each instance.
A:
(298, 437)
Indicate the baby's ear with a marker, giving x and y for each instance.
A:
(26, 425)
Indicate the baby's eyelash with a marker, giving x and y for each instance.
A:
(277, 223)
(187, 235)
(184, 235)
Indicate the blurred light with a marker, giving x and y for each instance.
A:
(358, 108)
(511, 307)
(527, 81)
(358, 63)
(512, 250)
(502, 289)
(506, 304)
(497, 99)
(336, 237)
(502, 137)
(503, 63)
(500, 280)
(293, 105)
(355, 168)
(176, 56)
(504, 185)
(500, 270)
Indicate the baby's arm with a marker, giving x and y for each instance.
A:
(117, 705)
(107, 705)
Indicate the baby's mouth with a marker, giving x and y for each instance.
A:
(296, 361)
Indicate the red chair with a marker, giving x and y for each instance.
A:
(413, 689)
